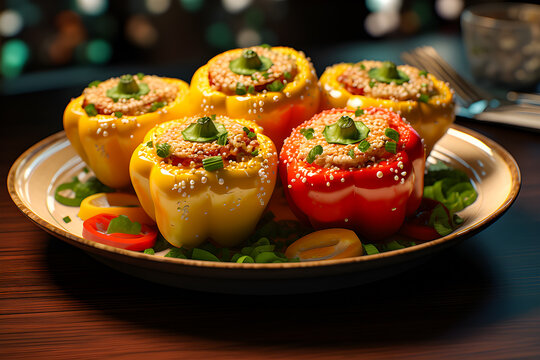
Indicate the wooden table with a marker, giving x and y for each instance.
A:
(480, 299)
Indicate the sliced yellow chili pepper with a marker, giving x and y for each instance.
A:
(106, 142)
(190, 205)
(431, 118)
(114, 204)
(326, 245)
(276, 111)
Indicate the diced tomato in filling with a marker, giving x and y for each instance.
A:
(353, 90)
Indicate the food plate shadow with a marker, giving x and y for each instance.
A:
(417, 305)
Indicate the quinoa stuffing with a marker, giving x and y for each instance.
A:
(159, 94)
(276, 70)
(240, 143)
(369, 151)
(358, 80)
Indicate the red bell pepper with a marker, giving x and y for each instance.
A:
(372, 200)
(419, 226)
(95, 229)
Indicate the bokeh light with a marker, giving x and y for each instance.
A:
(235, 6)
(248, 37)
(11, 23)
(141, 32)
(98, 51)
(92, 7)
(381, 23)
(383, 5)
(157, 6)
(220, 36)
(449, 9)
(192, 5)
(15, 54)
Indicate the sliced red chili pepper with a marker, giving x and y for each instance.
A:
(418, 226)
(95, 229)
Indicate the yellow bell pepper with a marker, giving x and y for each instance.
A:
(328, 244)
(278, 112)
(105, 142)
(114, 204)
(431, 119)
(191, 205)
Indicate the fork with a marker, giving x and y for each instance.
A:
(519, 109)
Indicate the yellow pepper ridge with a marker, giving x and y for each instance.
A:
(276, 111)
(430, 119)
(191, 205)
(105, 142)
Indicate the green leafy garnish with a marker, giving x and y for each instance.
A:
(222, 139)
(90, 110)
(157, 105)
(358, 112)
(276, 85)
(255, 152)
(140, 75)
(362, 66)
(79, 190)
(251, 89)
(392, 134)
(287, 75)
(213, 163)
(423, 73)
(351, 153)
(439, 220)
(370, 249)
(200, 254)
(423, 98)
(250, 134)
(390, 146)
(364, 145)
(66, 219)
(245, 259)
(205, 129)
(123, 225)
(149, 251)
(240, 89)
(266, 46)
(388, 73)
(150, 144)
(163, 150)
(313, 153)
(345, 131)
(94, 83)
(118, 114)
(308, 133)
(176, 253)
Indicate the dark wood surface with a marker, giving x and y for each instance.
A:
(478, 300)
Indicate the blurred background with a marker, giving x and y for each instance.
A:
(58, 44)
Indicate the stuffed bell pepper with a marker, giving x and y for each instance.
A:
(421, 99)
(274, 86)
(361, 170)
(107, 122)
(205, 178)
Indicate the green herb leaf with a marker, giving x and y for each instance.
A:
(351, 153)
(149, 251)
(240, 89)
(423, 98)
(254, 77)
(423, 73)
(204, 130)
(90, 110)
(358, 112)
(176, 253)
(370, 249)
(118, 114)
(372, 84)
(266, 46)
(157, 105)
(390, 146)
(79, 190)
(313, 153)
(265, 75)
(251, 89)
(388, 73)
(364, 145)
(66, 219)
(94, 83)
(213, 163)
(440, 221)
(163, 150)
(121, 224)
(222, 139)
(250, 134)
(150, 144)
(392, 134)
(287, 75)
(308, 133)
(161, 244)
(255, 152)
(140, 75)
(200, 254)
(276, 85)
(345, 131)
(362, 66)
(245, 259)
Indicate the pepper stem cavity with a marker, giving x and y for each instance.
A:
(249, 63)
(251, 59)
(206, 127)
(347, 129)
(128, 85)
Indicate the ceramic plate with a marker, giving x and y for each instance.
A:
(36, 173)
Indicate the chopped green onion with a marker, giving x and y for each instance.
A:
(118, 114)
(364, 145)
(66, 219)
(123, 225)
(85, 170)
(358, 112)
(90, 110)
(222, 139)
(200, 254)
(362, 66)
(163, 150)
(255, 152)
(370, 249)
(308, 133)
(276, 85)
(94, 83)
(150, 144)
(392, 134)
(176, 253)
(149, 251)
(265, 75)
(392, 245)
(424, 98)
(157, 105)
(266, 46)
(372, 84)
(250, 134)
(254, 77)
(423, 73)
(140, 75)
(213, 163)
(391, 147)
(351, 153)
(287, 75)
(251, 89)
(240, 89)
(317, 150)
